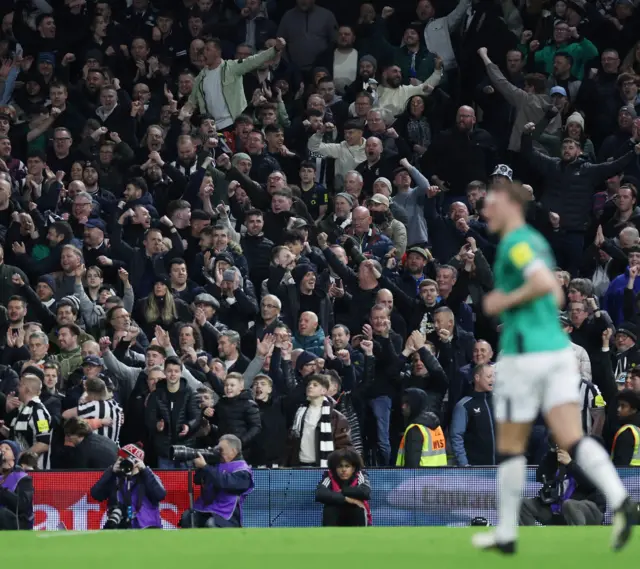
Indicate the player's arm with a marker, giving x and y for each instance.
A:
(540, 281)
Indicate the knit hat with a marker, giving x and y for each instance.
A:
(370, 59)
(628, 109)
(299, 271)
(346, 196)
(15, 448)
(240, 156)
(628, 329)
(226, 257)
(49, 281)
(305, 358)
(131, 451)
(576, 118)
(70, 301)
(384, 181)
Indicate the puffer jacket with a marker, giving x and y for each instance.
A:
(568, 187)
(185, 411)
(418, 402)
(239, 416)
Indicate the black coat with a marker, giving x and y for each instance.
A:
(185, 411)
(257, 250)
(95, 452)
(270, 444)
(568, 187)
(238, 416)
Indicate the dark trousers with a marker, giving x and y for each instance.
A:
(348, 515)
(574, 513)
(204, 520)
(568, 247)
(8, 520)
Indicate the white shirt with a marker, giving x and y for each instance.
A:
(308, 440)
(214, 98)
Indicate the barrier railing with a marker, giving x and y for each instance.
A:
(285, 497)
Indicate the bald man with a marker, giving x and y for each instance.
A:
(460, 155)
(373, 244)
(398, 323)
(310, 336)
(482, 354)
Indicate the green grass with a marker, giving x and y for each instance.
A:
(314, 548)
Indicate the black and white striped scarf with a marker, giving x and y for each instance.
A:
(326, 435)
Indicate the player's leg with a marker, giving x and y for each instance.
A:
(516, 404)
(566, 426)
(562, 413)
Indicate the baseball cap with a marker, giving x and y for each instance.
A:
(379, 199)
(96, 223)
(557, 90)
(419, 251)
(92, 361)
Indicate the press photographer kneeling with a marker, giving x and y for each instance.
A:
(133, 490)
(225, 480)
(567, 497)
(16, 490)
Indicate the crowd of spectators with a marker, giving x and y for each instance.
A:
(265, 219)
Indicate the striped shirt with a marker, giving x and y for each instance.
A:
(104, 410)
(31, 425)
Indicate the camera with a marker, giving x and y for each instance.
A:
(550, 492)
(185, 454)
(126, 466)
(116, 519)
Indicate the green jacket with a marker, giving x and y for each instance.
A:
(425, 63)
(231, 73)
(582, 52)
(69, 362)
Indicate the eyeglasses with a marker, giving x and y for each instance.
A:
(269, 305)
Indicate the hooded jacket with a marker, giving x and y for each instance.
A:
(313, 344)
(418, 402)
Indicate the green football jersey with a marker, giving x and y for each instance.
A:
(533, 326)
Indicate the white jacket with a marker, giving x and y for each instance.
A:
(437, 34)
(347, 157)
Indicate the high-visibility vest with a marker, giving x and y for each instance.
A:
(635, 459)
(434, 451)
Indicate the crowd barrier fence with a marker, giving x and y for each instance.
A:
(285, 497)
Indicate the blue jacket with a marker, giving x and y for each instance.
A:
(313, 344)
(613, 298)
(472, 431)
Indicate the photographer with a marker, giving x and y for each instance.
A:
(134, 492)
(16, 490)
(567, 497)
(226, 480)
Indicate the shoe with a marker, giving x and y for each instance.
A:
(488, 541)
(623, 521)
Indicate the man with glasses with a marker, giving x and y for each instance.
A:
(270, 308)
(60, 157)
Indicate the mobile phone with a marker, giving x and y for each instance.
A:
(338, 282)
(14, 331)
